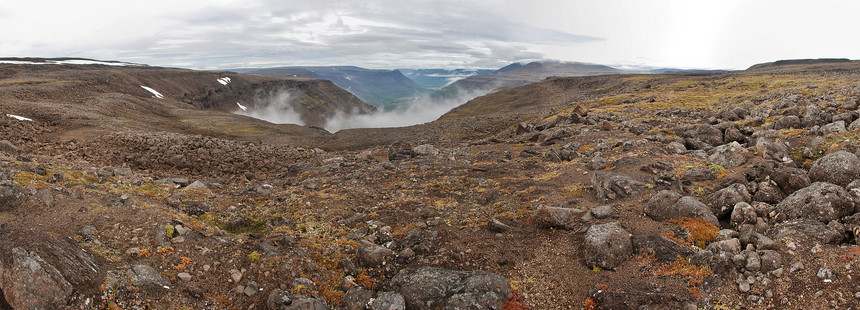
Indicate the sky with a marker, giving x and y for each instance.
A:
(224, 34)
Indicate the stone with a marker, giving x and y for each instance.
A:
(777, 151)
(667, 205)
(610, 186)
(790, 179)
(676, 148)
(89, 230)
(635, 299)
(147, 278)
(184, 276)
(39, 270)
(834, 127)
(732, 134)
(723, 201)
(606, 245)
(743, 213)
(805, 230)
(12, 195)
(753, 262)
(663, 249)
(731, 246)
(235, 275)
(744, 286)
(699, 175)
(426, 150)
(729, 155)
(497, 226)
(357, 298)
(597, 163)
(251, 289)
(372, 255)
(786, 122)
(825, 274)
(437, 288)
(8, 148)
(601, 212)
(767, 192)
(388, 301)
(838, 168)
(557, 217)
(770, 260)
(709, 134)
(198, 186)
(819, 201)
(280, 300)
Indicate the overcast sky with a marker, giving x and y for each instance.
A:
(725, 34)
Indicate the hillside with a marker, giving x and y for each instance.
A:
(434, 79)
(732, 190)
(97, 96)
(381, 88)
(518, 74)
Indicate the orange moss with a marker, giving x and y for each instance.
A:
(589, 304)
(852, 254)
(682, 267)
(366, 281)
(699, 232)
(515, 302)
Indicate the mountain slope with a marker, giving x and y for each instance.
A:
(95, 95)
(380, 88)
(517, 74)
(435, 79)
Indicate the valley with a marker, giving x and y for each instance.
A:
(138, 187)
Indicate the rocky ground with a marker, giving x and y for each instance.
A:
(727, 191)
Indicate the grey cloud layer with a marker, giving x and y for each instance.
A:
(375, 34)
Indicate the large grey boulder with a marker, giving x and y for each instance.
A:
(667, 205)
(40, 271)
(775, 150)
(709, 134)
(811, 230)
(607, 245)
(437, 288)
(790, 179)
(820, 201)
(547, 217)
(723, 201)
(839, 168)
(613, 186)
(12, 195)
(729, 155)
(790, 121)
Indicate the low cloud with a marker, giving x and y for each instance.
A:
(422, 110)
(275, 107)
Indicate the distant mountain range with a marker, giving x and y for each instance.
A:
(517, 74)
(435, 79)
(380, 88)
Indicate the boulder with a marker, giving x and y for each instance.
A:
(8, 148)
(709, 134)
(838, 168)
(734, 135)
(12, 195)
(667, 205)
(391, 301)
(820, 201)
(40, 271)
(613, 186)
(770, 260)
(772, 150)
(372, 255)
(768, 192)
(743, 213)
(676, 147)
(729, 155)
(280, 300)
(634, 299)
(606, 245)
(663, 249)
(425, 149)
(356, 298)
(557, 217)
(790, 179)
(437, 288)
(787, 122)
(699, 175)
(147, 278)
(723, 201)
(836, 127)
(805, 230)
(811, 116)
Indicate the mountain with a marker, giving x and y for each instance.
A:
(435, 79)
(517, 74)
(90, 93)
(381, 88)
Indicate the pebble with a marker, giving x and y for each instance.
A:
(89, 230)
(857, 295)
(744, 286)
(181, 230)
(184, 276)
(497, 226)
(796, 266)
(251, 289)
(791, 245)
(235, 275)
(825, 274)
(601, 212)
(206, 267)
(819, 293)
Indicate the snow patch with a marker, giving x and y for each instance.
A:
(224, 80)
(154, 93)
(244, 108)
(20, 118)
